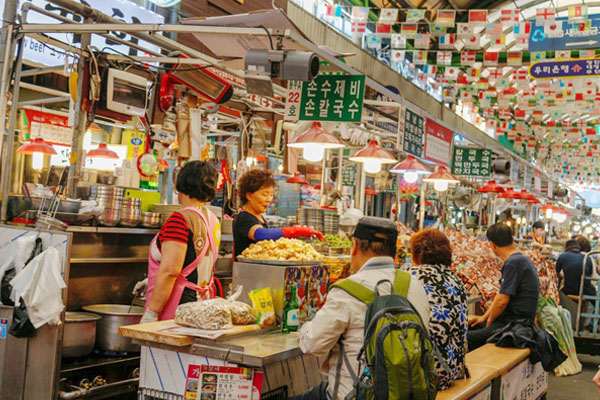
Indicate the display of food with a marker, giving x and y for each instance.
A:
(215, 314)
(282, 249)
(338, 241)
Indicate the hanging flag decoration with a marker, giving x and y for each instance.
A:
(398, 41)
(467, 57)
(333, 11)
(358, 29)
(583, 27)
(420, 57)
(373, 41)
(537, 55)
(490, 58)
(437, 30)
(562, 54)
(383, 29)
(514, 58)
(464, 29)
(388, 16)
(509, 17)
(452, 72)
(422, 40)
(408, 29)
(444, 57)
(445, 18)
(397, 56)
(447, 41)
(415, 15)
(360, 14)
(578, 13)
(478, 17)
(472, 42)
(544, 15)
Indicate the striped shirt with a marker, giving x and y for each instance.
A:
(175, 229)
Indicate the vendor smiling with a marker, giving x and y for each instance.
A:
(256, 194)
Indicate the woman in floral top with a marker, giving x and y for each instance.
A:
(431, 257)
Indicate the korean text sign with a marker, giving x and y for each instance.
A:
(438, 142)
(414, 130)
(327, 98)
(218, 383)
(565, 69)
(468, 161)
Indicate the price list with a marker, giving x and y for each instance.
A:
(414, 130)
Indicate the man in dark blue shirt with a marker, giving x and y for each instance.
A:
(519, 289)
(569, 267)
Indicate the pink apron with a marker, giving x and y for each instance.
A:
(181, 283)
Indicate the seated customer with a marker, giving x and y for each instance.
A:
(519, 289)
(432, 256)
(569, 268)
(342, 315)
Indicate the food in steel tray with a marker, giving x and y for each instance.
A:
(337, 241)
(283, 249)
(215, 314)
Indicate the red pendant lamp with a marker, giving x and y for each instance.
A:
(535, 200)
(411, 168)
(297, 178)
(369, 191)
(102, 152)
(37, 145)
(525, 195)
(314, 141)
(441, 178)
(372, 156)
(491, 187)
(509, 194)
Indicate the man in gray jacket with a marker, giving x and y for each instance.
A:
(373, 251)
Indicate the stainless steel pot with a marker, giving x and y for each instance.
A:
(109, 217)
(130, 218)
(79, 334)
(107, 328)
(150, 219)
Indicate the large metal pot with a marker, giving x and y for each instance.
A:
(107, 329)
(79, 334)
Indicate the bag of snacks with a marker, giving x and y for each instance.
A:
(213, 314)
(263, 302)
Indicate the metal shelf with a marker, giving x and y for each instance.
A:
(108, 260)
(103, 229)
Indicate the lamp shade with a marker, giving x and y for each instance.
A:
(372, 156)
(162, 163)
(441, 174)
(491, 187)
(410, 164)
(535, 200)
(369, 191)
(102, 152)
(37, 145)
(316, 135)
(297, 178)
(547, 206)
(525, 195)
(509, 194)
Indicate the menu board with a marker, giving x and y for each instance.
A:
(414, 130)
(468, 161)
(53, 128)
(208, 382)
(438, 142)
(326, 98)
(349, 175)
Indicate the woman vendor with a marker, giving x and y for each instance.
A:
(537, 235)
(249, 226)
(184, 252)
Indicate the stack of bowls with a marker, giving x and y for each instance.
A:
(331, 223)
(110, 198)
(150, 219)
(165, 210)
(130, 211)
(312, 217)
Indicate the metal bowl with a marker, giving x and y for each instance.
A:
(114, 203)
(110, 217)
(107, 328)
(129, 219)
(79, 333)
(131, 201)
(150, 219)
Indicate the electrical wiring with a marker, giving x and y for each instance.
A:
(140, 63)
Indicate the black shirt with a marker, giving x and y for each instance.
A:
(520, 282)
(571, 263)
(242, 224)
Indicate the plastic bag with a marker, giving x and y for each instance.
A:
(21, 326)
(263, 302)
(241, 313)
(213, 314)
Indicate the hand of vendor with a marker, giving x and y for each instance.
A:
(149, 316)
(301, 231)
(475, 320)
(139, 290)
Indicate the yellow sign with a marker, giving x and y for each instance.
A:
(135, 142)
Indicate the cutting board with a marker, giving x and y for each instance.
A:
(158, 332)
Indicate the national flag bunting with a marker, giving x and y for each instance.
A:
(494, 29)
(537, 55)
(397, 56)
(509, 17)
(446, 41)
(422, 40)
(577, 13)
(358, 28)
(553, 29)
(583, 26)
(437, 30)
(467, 57)
(452, 72)
(373, 41)
(514, 58)
(408, 29)
(543, 15)
(490, 58)
(562, 54)
(333, 11)
(445, 18)
(383, 29)
(420, 57)
(473, 74)
(398, 41)
(415, 15)
(478, 17)
(388, 15)
(495, 73)
(360, 14)
(520, 114)
(504, 113)
(444, 57)
(472, 42)
(464, 29)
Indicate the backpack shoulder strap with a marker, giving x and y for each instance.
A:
(401, 283)
(355, 290)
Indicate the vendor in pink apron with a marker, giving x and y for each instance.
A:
(184, 252)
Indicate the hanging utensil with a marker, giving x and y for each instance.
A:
(62, 184)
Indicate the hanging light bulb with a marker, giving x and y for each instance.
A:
(313, 152)
(440, 186)
(372, 165)
(37, 161)
(549, 213)
(411, 176)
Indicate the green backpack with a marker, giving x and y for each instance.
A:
(397, 356)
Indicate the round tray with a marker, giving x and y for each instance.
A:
(278, 262)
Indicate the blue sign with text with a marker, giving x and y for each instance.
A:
(565, 69)
(564, 36)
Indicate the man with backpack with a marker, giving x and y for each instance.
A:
(360, 310)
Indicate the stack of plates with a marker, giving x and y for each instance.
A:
(165, 210)
(110, 198)
(331, 223)
(312, 217)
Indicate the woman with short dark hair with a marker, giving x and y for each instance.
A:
(183, 253)
(432, 257)
(249, 226)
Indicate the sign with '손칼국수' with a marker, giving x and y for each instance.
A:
(326, 98)
(471, 162)
(565, 69)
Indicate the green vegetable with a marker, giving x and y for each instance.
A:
(336, 241)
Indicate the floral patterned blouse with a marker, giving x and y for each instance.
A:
(448, 320)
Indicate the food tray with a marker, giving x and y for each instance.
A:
(278, 262)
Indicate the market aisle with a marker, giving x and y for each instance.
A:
(579, 386)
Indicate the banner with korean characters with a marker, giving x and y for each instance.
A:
(524, 382)
(414, 132)
(438, 143)
(327, 98)
(218, 383)
(565, 69)
(469, 161)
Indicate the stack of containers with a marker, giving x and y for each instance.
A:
(131, 210)
(110, 198)
(331, 222)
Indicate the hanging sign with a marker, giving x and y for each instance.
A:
(327, 98)
(525, 381)
(401, 122)
(565, 36)
(53, 128)
(135, 142)
(123, 10)
(468, 161)
(414, 130)
(349, 175)
(218, 383)
(438, 142)
(565, 69)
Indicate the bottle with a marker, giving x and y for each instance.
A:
(290, 313)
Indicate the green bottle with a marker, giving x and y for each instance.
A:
(290, 313)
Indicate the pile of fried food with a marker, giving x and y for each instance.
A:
(282, 250)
